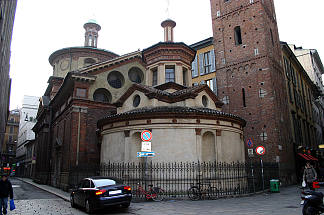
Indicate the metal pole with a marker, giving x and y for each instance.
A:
(262, 174)
(252, 176)
(145, 172)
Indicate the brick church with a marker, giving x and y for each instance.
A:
(97, 103)
(93, 87)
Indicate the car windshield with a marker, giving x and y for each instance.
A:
(104, 182)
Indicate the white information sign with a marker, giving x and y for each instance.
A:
(250, 152)
(146, 146)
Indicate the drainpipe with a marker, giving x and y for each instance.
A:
(78, 142)
(48, 181)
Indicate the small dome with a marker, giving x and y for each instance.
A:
(92, 21)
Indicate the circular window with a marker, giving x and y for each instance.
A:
(205, 101)
(102, 95)
(136, 101)
(115, 79)
(136, 75)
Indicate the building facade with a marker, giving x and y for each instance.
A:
(311, 61)
(7, 16)
(250, 76)
(66, 138)
(203, 68)
(25, 135)
(301, 96)
(8, 153)
(155, 85)
(186, 121)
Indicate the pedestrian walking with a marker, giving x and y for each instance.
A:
(5, 191)
(309, 175)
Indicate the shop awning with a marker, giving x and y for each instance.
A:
(304, 156)
(312, 158)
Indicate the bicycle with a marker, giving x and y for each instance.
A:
(199, 190)
(154, 193)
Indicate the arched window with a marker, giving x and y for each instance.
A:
(237, 35)
(102, 95)
(243, 97)
(88, 61)
(208, 150)
(134, 147)
(90, 40)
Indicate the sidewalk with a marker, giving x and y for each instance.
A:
(57, 192)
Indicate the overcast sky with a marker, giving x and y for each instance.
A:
(44, 26)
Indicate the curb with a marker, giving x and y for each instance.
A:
(44, 189)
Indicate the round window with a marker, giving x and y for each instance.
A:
(136, 75)
(205, 101)
(115, 79)
(136, 101)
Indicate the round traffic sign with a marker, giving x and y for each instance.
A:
(146, 135)
(260, 150)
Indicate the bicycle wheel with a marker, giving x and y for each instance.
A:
(157, 194)
(194, 193)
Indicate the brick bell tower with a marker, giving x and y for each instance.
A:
(250, 76)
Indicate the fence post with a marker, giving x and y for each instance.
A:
(262, 174)
(252, 171)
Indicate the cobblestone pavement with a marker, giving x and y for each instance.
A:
(284, 203)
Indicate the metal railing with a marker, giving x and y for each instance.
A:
(213, 179)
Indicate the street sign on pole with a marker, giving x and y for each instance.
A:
(260, 150)
(145, 154)
(146, 146)
(146, 135)
(249, 143)
(250, 153)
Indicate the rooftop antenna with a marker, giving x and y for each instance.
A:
(167, 9)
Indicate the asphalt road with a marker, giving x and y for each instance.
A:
(24, 191)
(31, 200)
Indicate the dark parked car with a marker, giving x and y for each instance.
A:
(99, 192)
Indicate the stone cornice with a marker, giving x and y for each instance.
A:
(71, 50)
(173, 113)
(168, 51)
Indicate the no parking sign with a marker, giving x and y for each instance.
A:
(146, 135)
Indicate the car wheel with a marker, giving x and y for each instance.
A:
(309, 210)
(88, 207)
(125, 205)
(72, 201)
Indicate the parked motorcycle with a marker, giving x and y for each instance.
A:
(312, 202)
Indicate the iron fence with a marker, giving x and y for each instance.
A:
(213, 179)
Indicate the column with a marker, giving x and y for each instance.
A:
(127, 142)
(178, 74)
(198, 143)
(161, 74)
(219, 145)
